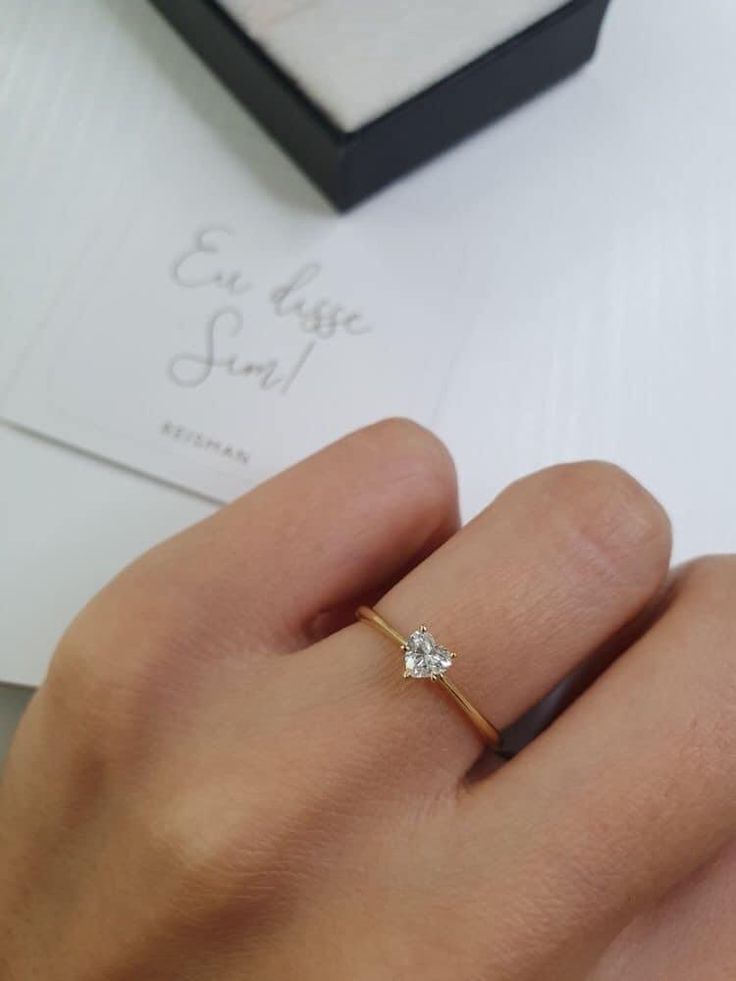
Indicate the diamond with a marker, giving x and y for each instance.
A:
(424, 657)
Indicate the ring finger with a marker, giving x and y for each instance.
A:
(558, 564)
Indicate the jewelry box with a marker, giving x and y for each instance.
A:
(360, 92)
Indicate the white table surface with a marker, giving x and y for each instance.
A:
(610, 206)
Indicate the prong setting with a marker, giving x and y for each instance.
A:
(424, 657)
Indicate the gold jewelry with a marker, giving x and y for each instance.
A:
(425, 658)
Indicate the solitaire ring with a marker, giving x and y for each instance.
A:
(426, 659)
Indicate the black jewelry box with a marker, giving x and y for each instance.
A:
(348, 166)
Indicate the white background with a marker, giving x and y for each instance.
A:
(598, 227)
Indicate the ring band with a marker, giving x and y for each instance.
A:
(425, 658)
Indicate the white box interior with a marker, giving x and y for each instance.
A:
(358, 59)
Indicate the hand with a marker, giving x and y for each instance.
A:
(223, 777)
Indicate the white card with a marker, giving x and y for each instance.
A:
(213, 351)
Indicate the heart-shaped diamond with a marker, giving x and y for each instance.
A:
(424, 657)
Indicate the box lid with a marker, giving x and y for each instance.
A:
(358, 59)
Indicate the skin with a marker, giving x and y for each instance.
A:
(224, 777)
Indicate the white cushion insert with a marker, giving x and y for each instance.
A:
(357, 59)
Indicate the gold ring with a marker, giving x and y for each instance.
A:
(425, 658)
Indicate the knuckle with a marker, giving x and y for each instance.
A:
(414, 456)
(701, 637)
(712, 573)
(75, 683)
(103, 681)
(613, 515)
(709, 584)
(399, 430)
(402, 438)
(253, 858)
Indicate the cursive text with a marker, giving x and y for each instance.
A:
(190, 369)
(322, 317)
(204, 265)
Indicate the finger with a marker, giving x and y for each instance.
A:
(632, 789)
(338, 527)
(543, 714)
(542, 578)
(690, 934)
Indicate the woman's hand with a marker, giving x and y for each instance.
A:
(221, 779)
